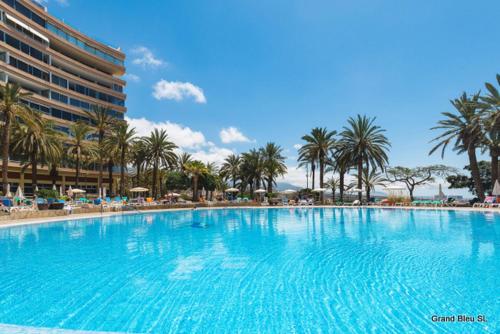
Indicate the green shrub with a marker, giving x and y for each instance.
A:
(48, 193)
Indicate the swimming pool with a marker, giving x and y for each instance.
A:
(250, 270)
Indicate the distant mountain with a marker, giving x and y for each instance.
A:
(280, 186)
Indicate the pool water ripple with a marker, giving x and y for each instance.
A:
(254, 270)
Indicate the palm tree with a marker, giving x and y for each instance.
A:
(138, 157)
(231, 167)
(333, 183)
(11, 107)
(319, 143)
(367, 145)
(306, 159)
(341, 163)
(273, 163)
(160, 153)
(123, 139)
(490, 117)
(79, 147)
(251, 169)
(371, 179)
(182, 160)
(195, 169)
(463, 128)
(35, 139)
(101, 121)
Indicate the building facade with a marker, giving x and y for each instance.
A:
(66, 73)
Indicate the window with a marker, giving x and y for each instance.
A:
(94, 94)
(26, 12)
(25, 48)
(90, 49)
(59, 81)
(59, 97)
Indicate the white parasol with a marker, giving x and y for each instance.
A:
(496, 189)
(19, 193)
(139, 190)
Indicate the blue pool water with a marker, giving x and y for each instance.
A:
(288, 270)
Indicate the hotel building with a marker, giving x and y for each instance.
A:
(67, 72)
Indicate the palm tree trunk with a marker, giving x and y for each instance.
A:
(5, 152)
(313, 172)
(360, 177)
(101, 162)
(101, 176)
(341, 185)
(34, 171)
(137, 175)
(494, 165)
(333, 195)
(110, 176)
(321, 176)
(269, 185)
(155, 171)
(367, 186)
(195, 188)
(77, 176)
(474, 170)
(53, 174)
(122, 173)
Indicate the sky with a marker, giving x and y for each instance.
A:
(224, 76)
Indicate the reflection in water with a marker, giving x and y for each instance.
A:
(267, 270)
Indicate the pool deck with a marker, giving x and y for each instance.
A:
(32, 221)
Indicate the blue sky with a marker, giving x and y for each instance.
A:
(275, 69)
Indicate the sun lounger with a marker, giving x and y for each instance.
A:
(489, 202)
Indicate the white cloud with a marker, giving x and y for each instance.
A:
(146, 58)
(174, 90)
(132, 77)
(296, 176)
(182, 136)
(188, 140)
(232, 135)
(46, 2)
(297, 146)
(212, 154)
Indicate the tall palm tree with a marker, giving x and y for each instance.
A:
(35, 139)
(79, 148)
(11, 107)
(367, 144)
(160, 153)
(306, 159)
(251, 169)
(319, 143)
(490, 116)
(195, 169)
(183, 159)
(333, 183)
(341, 163)
(274, 164)
(122, 138)
(138, 157)
(463, 129)
(101, 121)
(231, 167)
